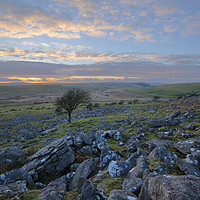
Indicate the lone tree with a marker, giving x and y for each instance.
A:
(71, 99)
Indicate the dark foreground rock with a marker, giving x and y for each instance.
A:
(121, 195)
(168, 187)
(52, 159)
(87, 169)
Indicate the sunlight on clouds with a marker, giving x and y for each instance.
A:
(97, 77)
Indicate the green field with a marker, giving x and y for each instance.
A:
(169, 91)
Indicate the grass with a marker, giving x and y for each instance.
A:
(169, 91)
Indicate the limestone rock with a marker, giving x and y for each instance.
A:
(121, 195)
(119, 168)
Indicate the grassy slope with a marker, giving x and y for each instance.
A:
(169, 91)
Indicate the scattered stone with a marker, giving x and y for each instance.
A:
(185, 146)
(50, 193)
(59, 184)
(134, 146)
(78, 142)
(87, 150)
(156, 143)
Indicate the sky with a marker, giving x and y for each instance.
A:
(66, 41)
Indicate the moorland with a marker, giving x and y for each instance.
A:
(135, 142)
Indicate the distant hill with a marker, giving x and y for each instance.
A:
(169, 91)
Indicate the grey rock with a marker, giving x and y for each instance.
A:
(132, 185)
(59, 184)
(121, 195)
(185, 146)
(133, 157)
(90, 192)
(165, 157)
(13, 189)
(119, 168)
(87, 150)
(15, 175)
(12, 155)
(171, 188)
(194, 157)
(188, 168)
(164, 135)
(107, 155)
(139, 169)
(52, 159)
(50, 193)
(74, 167)
(87, 169)
(156, 143)
(78, 142)
(134, 146)
(155, 123)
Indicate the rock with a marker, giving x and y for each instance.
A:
(132, 185)
(15, 175)
(163, 135)
(47, 131)
(52, 159)
(74, 167)
(139, 169)
(59, 184)
(50, 193)
(156, 143)
(119, 168)
(12, 155)
(89, 137)
(12, 190)
(134, 146)
(87, 150)
(185, 146)
(188, 168)
(155, 123)
(162, 160)
(78, 142)
(171, 188)
(87, 169)
(133, 158)
(121, 195)
(194, 157)
(107, 155)
(90, 192)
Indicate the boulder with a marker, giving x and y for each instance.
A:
(119, 168)
(134, 146)
(168, 187)
(59, 184)
(12, 155)
(132, 159)
(188, 168)
(87, 169)
(185, 146)
(155, 123)
(194, 157)
(156, 143)
(121, 195)
(139, 169)
(90, 192)
(15, 175)
(162, 160)
(52, 159)
(132, 185)
(87, 150)
(107, 155)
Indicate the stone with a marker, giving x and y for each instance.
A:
(107, 156)
(169, 187)
(121, 195)
(119, 168)
(185, 146)
(156, 143)
(12, 155)
(132, 185)
(87, 169)
(134, 146)
(90, 192)
(187, 168)
(162, 160)
(155, 123)
(139, 169)
(50, 193)
(132, 159)
(78, 142)
(87, 150)
(194, 157)
(51, 159)
(59, 184)
(13, 190)
(15, 175)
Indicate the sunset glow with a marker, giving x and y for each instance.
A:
(59, 41)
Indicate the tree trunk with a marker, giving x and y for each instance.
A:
(69, 114)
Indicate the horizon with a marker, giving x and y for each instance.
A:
(76, 41)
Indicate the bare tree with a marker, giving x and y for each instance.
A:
(71, 99)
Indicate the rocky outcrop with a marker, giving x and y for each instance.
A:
(119, 168)
(52, 159)
(168, 187)
(122, 195)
